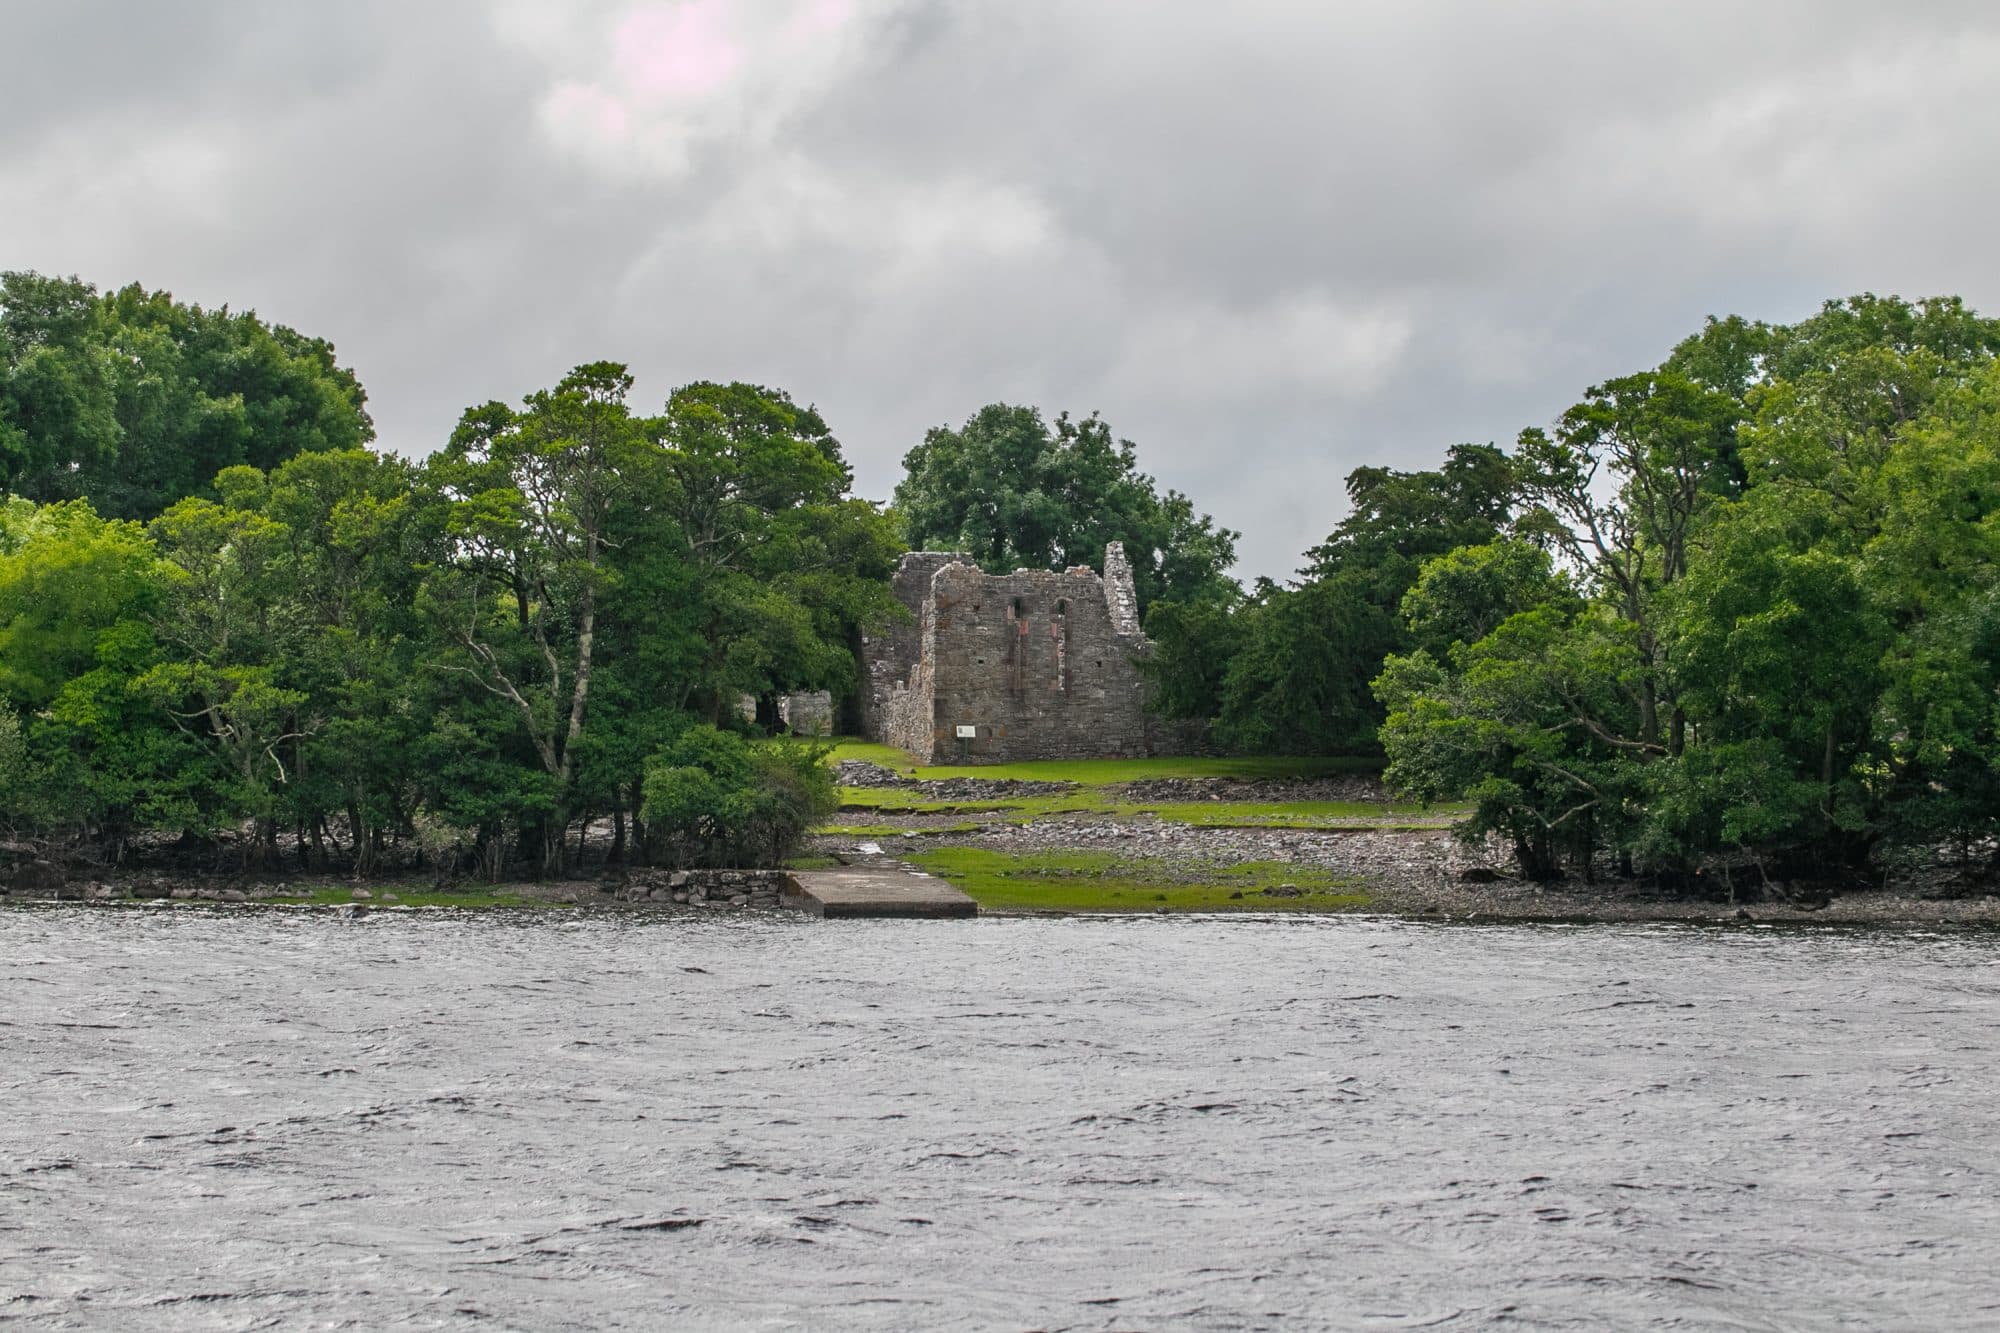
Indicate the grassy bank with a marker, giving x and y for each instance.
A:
(1110, 882)
(1101, 792)
(1109, 804)
(1108, 772)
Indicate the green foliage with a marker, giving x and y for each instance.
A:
(67, 578)
(1464, 595)
(470, 659)
(716, 799)
(1193, 645)
(1286, 670)
(132, 400)
(1773, 637)
(57, 378)
(1018, 492)
(1299, 682)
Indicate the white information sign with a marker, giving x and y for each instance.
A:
(968, 733)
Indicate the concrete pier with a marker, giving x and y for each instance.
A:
(875, 891)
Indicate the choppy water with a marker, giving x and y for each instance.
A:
(263, 1119)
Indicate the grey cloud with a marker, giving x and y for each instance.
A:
(1270, 241)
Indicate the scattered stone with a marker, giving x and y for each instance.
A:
(361, 895)
(861, 773)
(390, 898)
(234, 896)
(1262, 791)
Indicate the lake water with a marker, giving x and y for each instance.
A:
(215, 1119)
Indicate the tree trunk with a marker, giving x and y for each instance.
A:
(554, 845)
(364, 845)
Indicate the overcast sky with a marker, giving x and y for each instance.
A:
(1269, 239)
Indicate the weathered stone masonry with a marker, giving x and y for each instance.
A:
(1000, 667)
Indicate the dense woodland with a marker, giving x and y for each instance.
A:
(340, 652)
(1735, 614)
(1738, 614)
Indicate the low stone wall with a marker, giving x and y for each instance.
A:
(706, 888)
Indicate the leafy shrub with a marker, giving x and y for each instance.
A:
(714, 799)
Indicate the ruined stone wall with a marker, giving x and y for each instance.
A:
(1037, 665)
(809, 714)
(1002, 667)
(889, 658)
(909, 711)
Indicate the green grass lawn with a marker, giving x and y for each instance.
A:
(1111, 882)
(1109, 772)
(1098, 783)
(897, 830)
(1307, 815)
(895, 800)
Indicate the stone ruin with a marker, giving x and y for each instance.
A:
(807, 714)
(992, 668)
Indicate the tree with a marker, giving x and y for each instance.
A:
(1783, 640)
(784, 570)
(1298, 683)
(1397, 520)
(58, 406)
(1017, 492)
(713, 799)
(1662, 446)
(77, 594)
(1293, 670)
(532, 495)
(133, 400)
(1462, 596)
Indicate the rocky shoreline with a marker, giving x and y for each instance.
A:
(699, 889)
(1422, 873)
(1398, 870)
(1407, 869)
